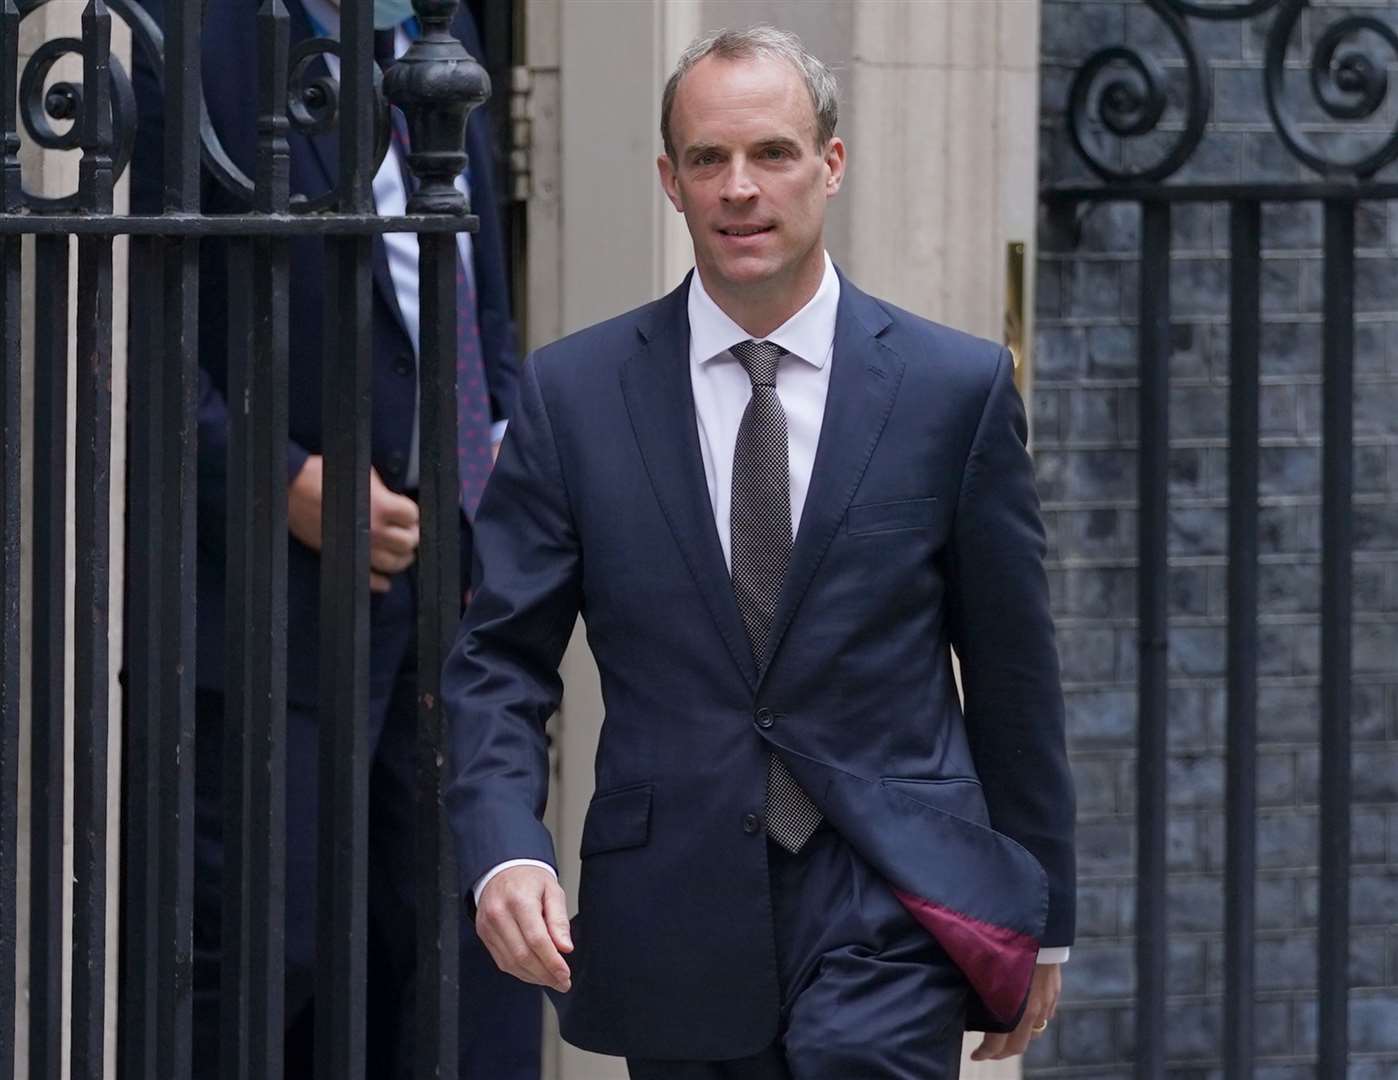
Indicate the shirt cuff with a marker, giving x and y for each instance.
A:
(480, 885)
(1052, 956)
(497, 431)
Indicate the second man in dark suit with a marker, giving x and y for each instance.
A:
(500, 1034)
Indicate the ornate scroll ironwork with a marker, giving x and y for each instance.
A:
(312, 105)
(1123, 91)
(41, 102)
(1126, 91)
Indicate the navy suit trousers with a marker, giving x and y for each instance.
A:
(866, 992)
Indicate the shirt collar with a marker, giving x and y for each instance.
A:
(808, 334)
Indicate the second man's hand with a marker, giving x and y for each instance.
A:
(393, 521)
(522, 918)
(393, 533)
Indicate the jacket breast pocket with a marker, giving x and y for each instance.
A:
(617, 819)
(891, 516)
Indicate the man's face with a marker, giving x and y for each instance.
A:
(749, 178)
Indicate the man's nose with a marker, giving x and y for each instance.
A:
(739, 185)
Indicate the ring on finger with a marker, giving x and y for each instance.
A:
(1040, 1027)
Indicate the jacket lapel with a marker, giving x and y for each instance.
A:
(325, 149)
(864, 381)
(660, 400)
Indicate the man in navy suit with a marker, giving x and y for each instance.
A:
(500, 1017)
(779, 505)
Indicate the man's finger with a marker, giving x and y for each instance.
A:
(394, 509)
(512, 954)
(398, 539)
(519, 961)
(989, 1048)
(506, 946)
(389, 506)
(379, 583)
(556, 916)
(546, 958)
(529, 917)
(388, 562)
(1018, 1041)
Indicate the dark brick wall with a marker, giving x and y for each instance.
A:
(1085, 424)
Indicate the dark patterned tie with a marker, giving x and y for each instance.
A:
(760, 535)
(473, 445)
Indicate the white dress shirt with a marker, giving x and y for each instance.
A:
(722, 389)
(391, 200)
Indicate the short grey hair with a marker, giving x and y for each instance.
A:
(766, 42)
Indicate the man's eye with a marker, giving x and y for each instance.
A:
(774, 153)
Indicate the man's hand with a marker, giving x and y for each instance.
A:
(523, 920)
(1043, 1003)
(393, 521)
(393, 533)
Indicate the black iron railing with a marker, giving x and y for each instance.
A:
(1119, 95)
(436, 84)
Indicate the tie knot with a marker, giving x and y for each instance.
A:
(759, 360)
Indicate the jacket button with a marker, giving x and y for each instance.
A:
(751, 823)
(403, 365)
(764, 717)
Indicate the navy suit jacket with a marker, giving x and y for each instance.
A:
(920, 533)
(229, 57)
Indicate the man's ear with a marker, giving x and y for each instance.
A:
(835, 164)
(669, 181)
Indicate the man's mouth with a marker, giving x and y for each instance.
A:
(746, 230)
